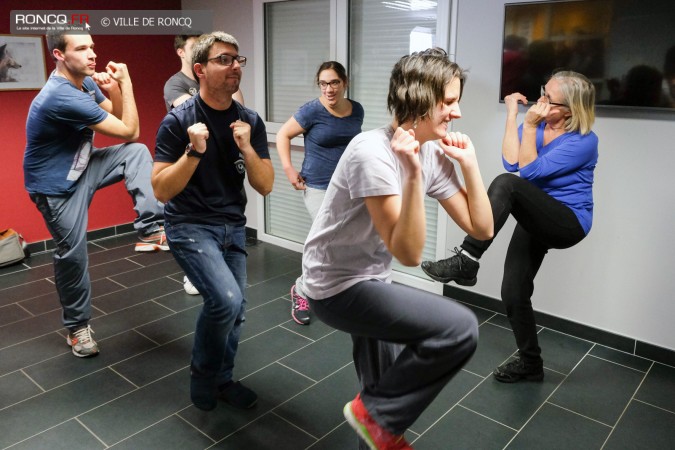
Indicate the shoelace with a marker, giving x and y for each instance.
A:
(301, 304)
(83, 335)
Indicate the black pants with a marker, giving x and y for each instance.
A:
(408, 344)
(543, 223)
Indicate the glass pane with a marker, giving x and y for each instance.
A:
(380, 33)
(297, 42)
(285, 213)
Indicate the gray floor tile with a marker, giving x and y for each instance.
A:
(263, 349)
(318, 410)
(24, 291)
(144, 274)
(69, 435)
(322, 357)
(268, 432)
(67, 367)
(120, 321)
(157, 362)
(170, 433)
(21, 421)
(643, 427)
(179, 301)
(561, 352)
(464, 429)
(131, 413)
(266, 316)
(32, 352)
(658, 388)
(342, 437)
(30, 328)
(622, 358)
(171, 327)
(495, 345)
(558, 429)
(598, 389)
(454, 391)
(12, 313)
(134, 295)
(268, 290)
(511, 404)
(44, 303)
(15, 387)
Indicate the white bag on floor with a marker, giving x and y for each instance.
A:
(11, 247)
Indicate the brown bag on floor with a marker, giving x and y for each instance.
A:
(11, 247)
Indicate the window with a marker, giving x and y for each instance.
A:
(368, 37)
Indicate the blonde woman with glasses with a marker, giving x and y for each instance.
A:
(555, 152)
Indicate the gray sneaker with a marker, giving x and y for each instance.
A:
(81, 342)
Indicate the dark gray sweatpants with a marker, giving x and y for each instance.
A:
(408, 344)
(67, 218)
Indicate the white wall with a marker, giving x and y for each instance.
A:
(621, 278)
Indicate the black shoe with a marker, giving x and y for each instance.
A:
(203, 393)
(299, 308)
(237, 395)
(518, 370)
(459, 268)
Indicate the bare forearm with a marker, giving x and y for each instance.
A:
(511, 143)
(129, 112)
(528, 146)
(170, 180)
(260, 172)
(480, 210)
(409, 233)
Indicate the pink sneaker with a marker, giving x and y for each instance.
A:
(153, 242)
(299, 307)
(375, 436)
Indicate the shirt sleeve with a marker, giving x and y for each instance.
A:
(304, 116)
(372, 170)
(443, 180)
(170, 141)
(573, 152)
(81, 109)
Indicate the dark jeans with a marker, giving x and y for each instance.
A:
(408, 344)
(214, 259)
(543, 223)
(66, 218)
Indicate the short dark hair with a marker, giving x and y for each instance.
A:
(201, 49)
(332, 65)
(181, 39)
(418, 82)
(56, 39)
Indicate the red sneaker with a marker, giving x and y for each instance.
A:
(375, 436)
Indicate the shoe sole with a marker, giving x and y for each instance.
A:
(505, 379)
(460, 281)
(149, 248)
(81, 355)
(357, 426)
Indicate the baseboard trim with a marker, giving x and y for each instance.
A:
(602, 337)
(47, 245)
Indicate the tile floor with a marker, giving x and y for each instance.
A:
(134, 395)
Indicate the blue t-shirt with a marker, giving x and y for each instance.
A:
(215, 194)
(564, 170)
(326, 138)
(58, 140)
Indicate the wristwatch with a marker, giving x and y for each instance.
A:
(190, 151)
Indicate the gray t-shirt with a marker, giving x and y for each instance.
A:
(343, 246)
(178, 85)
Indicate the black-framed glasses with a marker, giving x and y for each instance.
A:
(228, 60)
(334, 84)
(543, 94)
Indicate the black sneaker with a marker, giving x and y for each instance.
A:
(459, 268)
(237, 395)
(203, 392)
(518, 370)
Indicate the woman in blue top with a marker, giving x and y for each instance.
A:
(328, 123)
(556, 153)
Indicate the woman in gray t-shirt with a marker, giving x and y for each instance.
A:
(408, 343)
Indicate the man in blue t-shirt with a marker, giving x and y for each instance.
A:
(62, 168)
(205, 147)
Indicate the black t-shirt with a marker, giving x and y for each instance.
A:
(215, 194)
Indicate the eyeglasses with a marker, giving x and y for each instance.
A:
(543, 94)
(334, 84)
(228, 60)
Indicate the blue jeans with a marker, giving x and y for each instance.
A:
(214, 259)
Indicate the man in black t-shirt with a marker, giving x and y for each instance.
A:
(204, 149)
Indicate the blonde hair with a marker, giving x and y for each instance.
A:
(579, 95)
